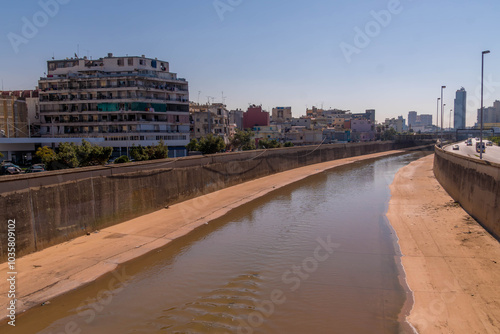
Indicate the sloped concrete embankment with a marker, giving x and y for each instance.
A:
(474, 183)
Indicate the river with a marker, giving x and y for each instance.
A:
(317, 256)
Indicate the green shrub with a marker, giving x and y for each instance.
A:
(121, 160)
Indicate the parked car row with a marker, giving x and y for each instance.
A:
(9, 168)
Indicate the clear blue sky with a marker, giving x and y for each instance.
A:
(277, 52)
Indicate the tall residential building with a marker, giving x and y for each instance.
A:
(282, 114)
(460, 109)
(125, 100)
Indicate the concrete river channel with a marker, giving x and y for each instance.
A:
(317, 256)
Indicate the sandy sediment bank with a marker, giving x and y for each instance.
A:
(452, 264)
(56, 270)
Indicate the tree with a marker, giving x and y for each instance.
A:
(138, 153)
(158, 151)
(70, 155)
(243, 140)
(266, 143)
(193, 145)
(389, 134)
(289, 144)
(1, 155)
(66, 157)
(92, 155)
(211, 144)
(46, 155)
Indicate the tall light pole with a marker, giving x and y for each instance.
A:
(437, 115)
(482, 107)
(442, 87)
(444, 105)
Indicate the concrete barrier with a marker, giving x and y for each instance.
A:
(474, 183)
(55, 206)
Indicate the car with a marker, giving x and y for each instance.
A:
(480, 147)
(469, 143)
(489, 143)
(9, 163)
(456, 147)
(36, 168)
(10, 169)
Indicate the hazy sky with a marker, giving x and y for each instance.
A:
(392, 56)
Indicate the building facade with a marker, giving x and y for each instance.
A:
(491, 115)
(236, 118)
(282, 114)
(255, 116)
(459, 112)
(125, 100)
(216, 121)
(18, 113)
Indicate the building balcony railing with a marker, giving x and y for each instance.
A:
(72, 76)
(100, 133)
(117, 87)
(108, 98)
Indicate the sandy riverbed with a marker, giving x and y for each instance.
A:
(452, 264)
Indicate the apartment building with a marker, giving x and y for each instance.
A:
(124, 100)
(216, 121)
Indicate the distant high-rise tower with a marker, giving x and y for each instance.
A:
(412, 118)
(460, 106)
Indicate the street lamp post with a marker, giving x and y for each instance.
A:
(482, 107)
(442, 120)
(442, 87)
(437, 116)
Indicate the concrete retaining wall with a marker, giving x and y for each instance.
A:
(55, 206)
(474, 184)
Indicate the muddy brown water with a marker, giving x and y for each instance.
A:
(317, 256)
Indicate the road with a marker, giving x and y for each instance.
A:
(491, 154)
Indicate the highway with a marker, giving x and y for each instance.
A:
(491, 154)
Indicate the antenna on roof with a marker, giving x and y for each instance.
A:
(223, 97)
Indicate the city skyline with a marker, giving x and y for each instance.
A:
(392, 56)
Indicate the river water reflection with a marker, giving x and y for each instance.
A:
(317, 256)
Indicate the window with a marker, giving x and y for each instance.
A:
(141, 62)
(130, 61)
(120, 62)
